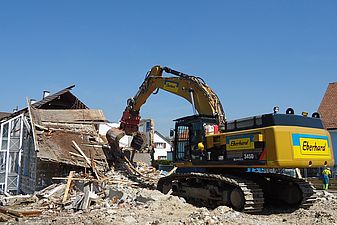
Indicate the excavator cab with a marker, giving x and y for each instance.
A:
(190, 136)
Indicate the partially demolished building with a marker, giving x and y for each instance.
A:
(37, 142)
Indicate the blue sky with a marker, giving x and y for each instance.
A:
(254, 54)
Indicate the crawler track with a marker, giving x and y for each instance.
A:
(295, 192)
(238, 192)
(224, 190)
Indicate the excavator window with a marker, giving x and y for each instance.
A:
(182, 143)
(197, 135)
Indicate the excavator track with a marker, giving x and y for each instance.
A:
(249, 195)
(299, 193)
(239, 193)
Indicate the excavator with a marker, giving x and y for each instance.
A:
(213, 155)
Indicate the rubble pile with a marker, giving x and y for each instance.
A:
(77, 192)
(127, 195)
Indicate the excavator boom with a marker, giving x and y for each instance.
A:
(189, 87)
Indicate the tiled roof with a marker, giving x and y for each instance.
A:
(328, 107)
(54, 101)
(4, 114)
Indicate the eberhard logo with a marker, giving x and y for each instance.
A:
(306, 146)
(171, 86)
(313, 145)
(240, 143)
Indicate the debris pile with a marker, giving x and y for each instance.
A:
(78, 191)
(127, 195)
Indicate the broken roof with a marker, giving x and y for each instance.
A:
(58, 120)
(4, 114)
(56, 130)
(328, 107)
(63, 99)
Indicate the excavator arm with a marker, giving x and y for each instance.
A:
(191, 88)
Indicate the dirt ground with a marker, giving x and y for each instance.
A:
(156, 208)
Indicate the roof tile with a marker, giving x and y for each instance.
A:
(328, 107)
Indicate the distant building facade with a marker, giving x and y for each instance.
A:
(162, 146)
(328, 112)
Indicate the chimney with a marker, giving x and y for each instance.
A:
(45, 94)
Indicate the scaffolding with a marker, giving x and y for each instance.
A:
(10, 154)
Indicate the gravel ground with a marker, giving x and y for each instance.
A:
(138, 203)
(156, 208)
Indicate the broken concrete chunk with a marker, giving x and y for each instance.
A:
(146, 195)
(115, 194)
(89, 197)
(18, 200)
(52, 190)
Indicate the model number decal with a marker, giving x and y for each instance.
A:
(248, 156)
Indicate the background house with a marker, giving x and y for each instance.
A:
(37, 142)
(162, 146)
(328, 112)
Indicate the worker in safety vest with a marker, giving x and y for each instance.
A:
(326, 173)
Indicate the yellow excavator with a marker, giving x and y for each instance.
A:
(212, 155)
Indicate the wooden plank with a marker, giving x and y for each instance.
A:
(172, 171)
(75, 154)
(72, 115)
(92, 165)
(95, 170)
(41, 127)
(76, 179)
(8, 211)
(4, 212)
(65, 196)
(82, 153)
(135, 170)
(4, 217)
(31, 213)
(36, 146)
(80, 156)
